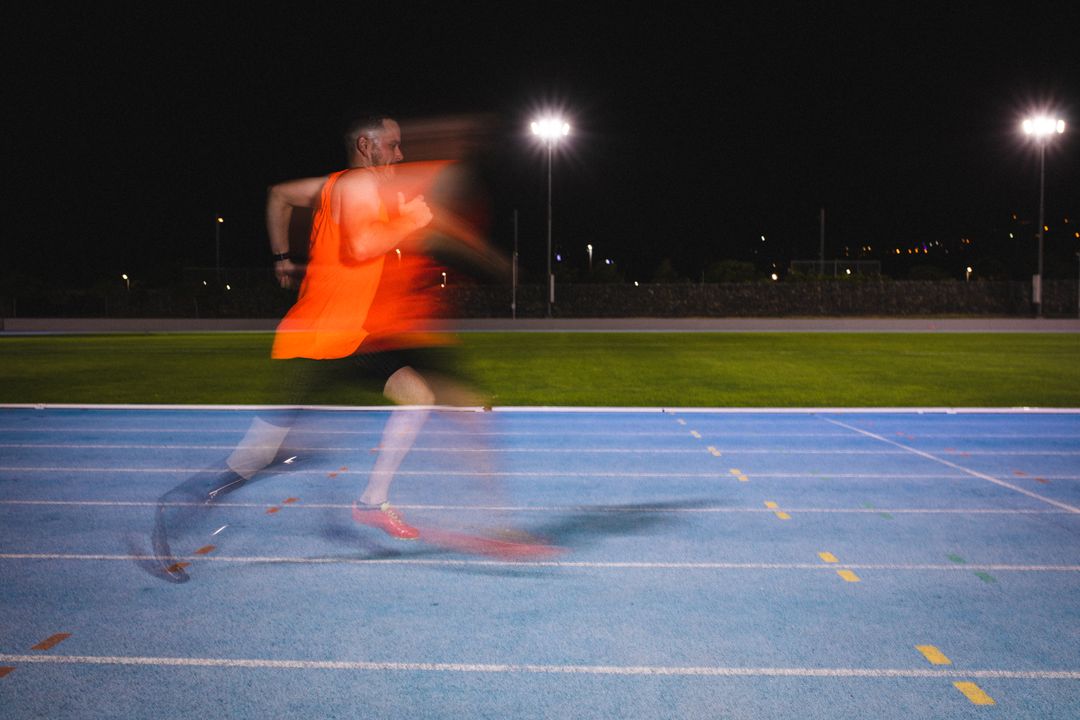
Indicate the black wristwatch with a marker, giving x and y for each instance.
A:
(278, 257)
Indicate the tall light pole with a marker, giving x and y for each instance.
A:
(1041, 128)
(550, 130)
(217, 248)
(589, 248)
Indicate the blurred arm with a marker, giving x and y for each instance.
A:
(280, 201)
(453, 235)
(366, 234)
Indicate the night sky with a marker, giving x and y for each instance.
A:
(695, 131)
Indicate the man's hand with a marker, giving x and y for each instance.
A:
(285, 271)
(415, 210)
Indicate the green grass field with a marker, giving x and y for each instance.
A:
(584, 369)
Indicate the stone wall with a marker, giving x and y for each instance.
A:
(839, 298)
(862, 297)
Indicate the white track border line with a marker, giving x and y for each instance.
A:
(642, 509)
(522, 474)
(429, 667)
(570, 564)
(377, 432)
(555, 409)
(566, 474)
(954, 466)
(530, 450)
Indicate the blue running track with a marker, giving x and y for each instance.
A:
(802, 564)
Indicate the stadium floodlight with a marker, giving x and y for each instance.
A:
(550, 130)
(1041, 128)
(127, 281)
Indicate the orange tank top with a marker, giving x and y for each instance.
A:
(386, 301)
(328, 318)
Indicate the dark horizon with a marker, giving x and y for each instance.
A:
(694, 132)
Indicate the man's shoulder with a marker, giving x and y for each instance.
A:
(354, 180)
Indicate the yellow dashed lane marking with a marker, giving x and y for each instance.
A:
(846, 574)
(5, 670)
(739, 474)
(779, 513)
(934, 655)
(205, 550)
(974, 693)
(713, 451)
(696, 434)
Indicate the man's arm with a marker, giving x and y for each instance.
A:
(453, 236)
(366, 234)
(280, 201)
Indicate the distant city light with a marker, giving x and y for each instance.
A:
(774, 276)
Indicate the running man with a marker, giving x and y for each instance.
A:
(357, 313)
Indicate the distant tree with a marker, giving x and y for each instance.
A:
(991, 268)
(666, 273)
(730, 271)
(605, 272)
(928, 272)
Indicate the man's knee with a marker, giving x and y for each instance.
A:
(408, 387)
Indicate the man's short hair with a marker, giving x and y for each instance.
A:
(360, 125)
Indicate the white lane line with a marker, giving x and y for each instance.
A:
(706, 671)
(374, 432)
(569, 474)
(552, 508)
(973, 473)
(780, 436)
(593, 565)
(545, 450)
(310, 429)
